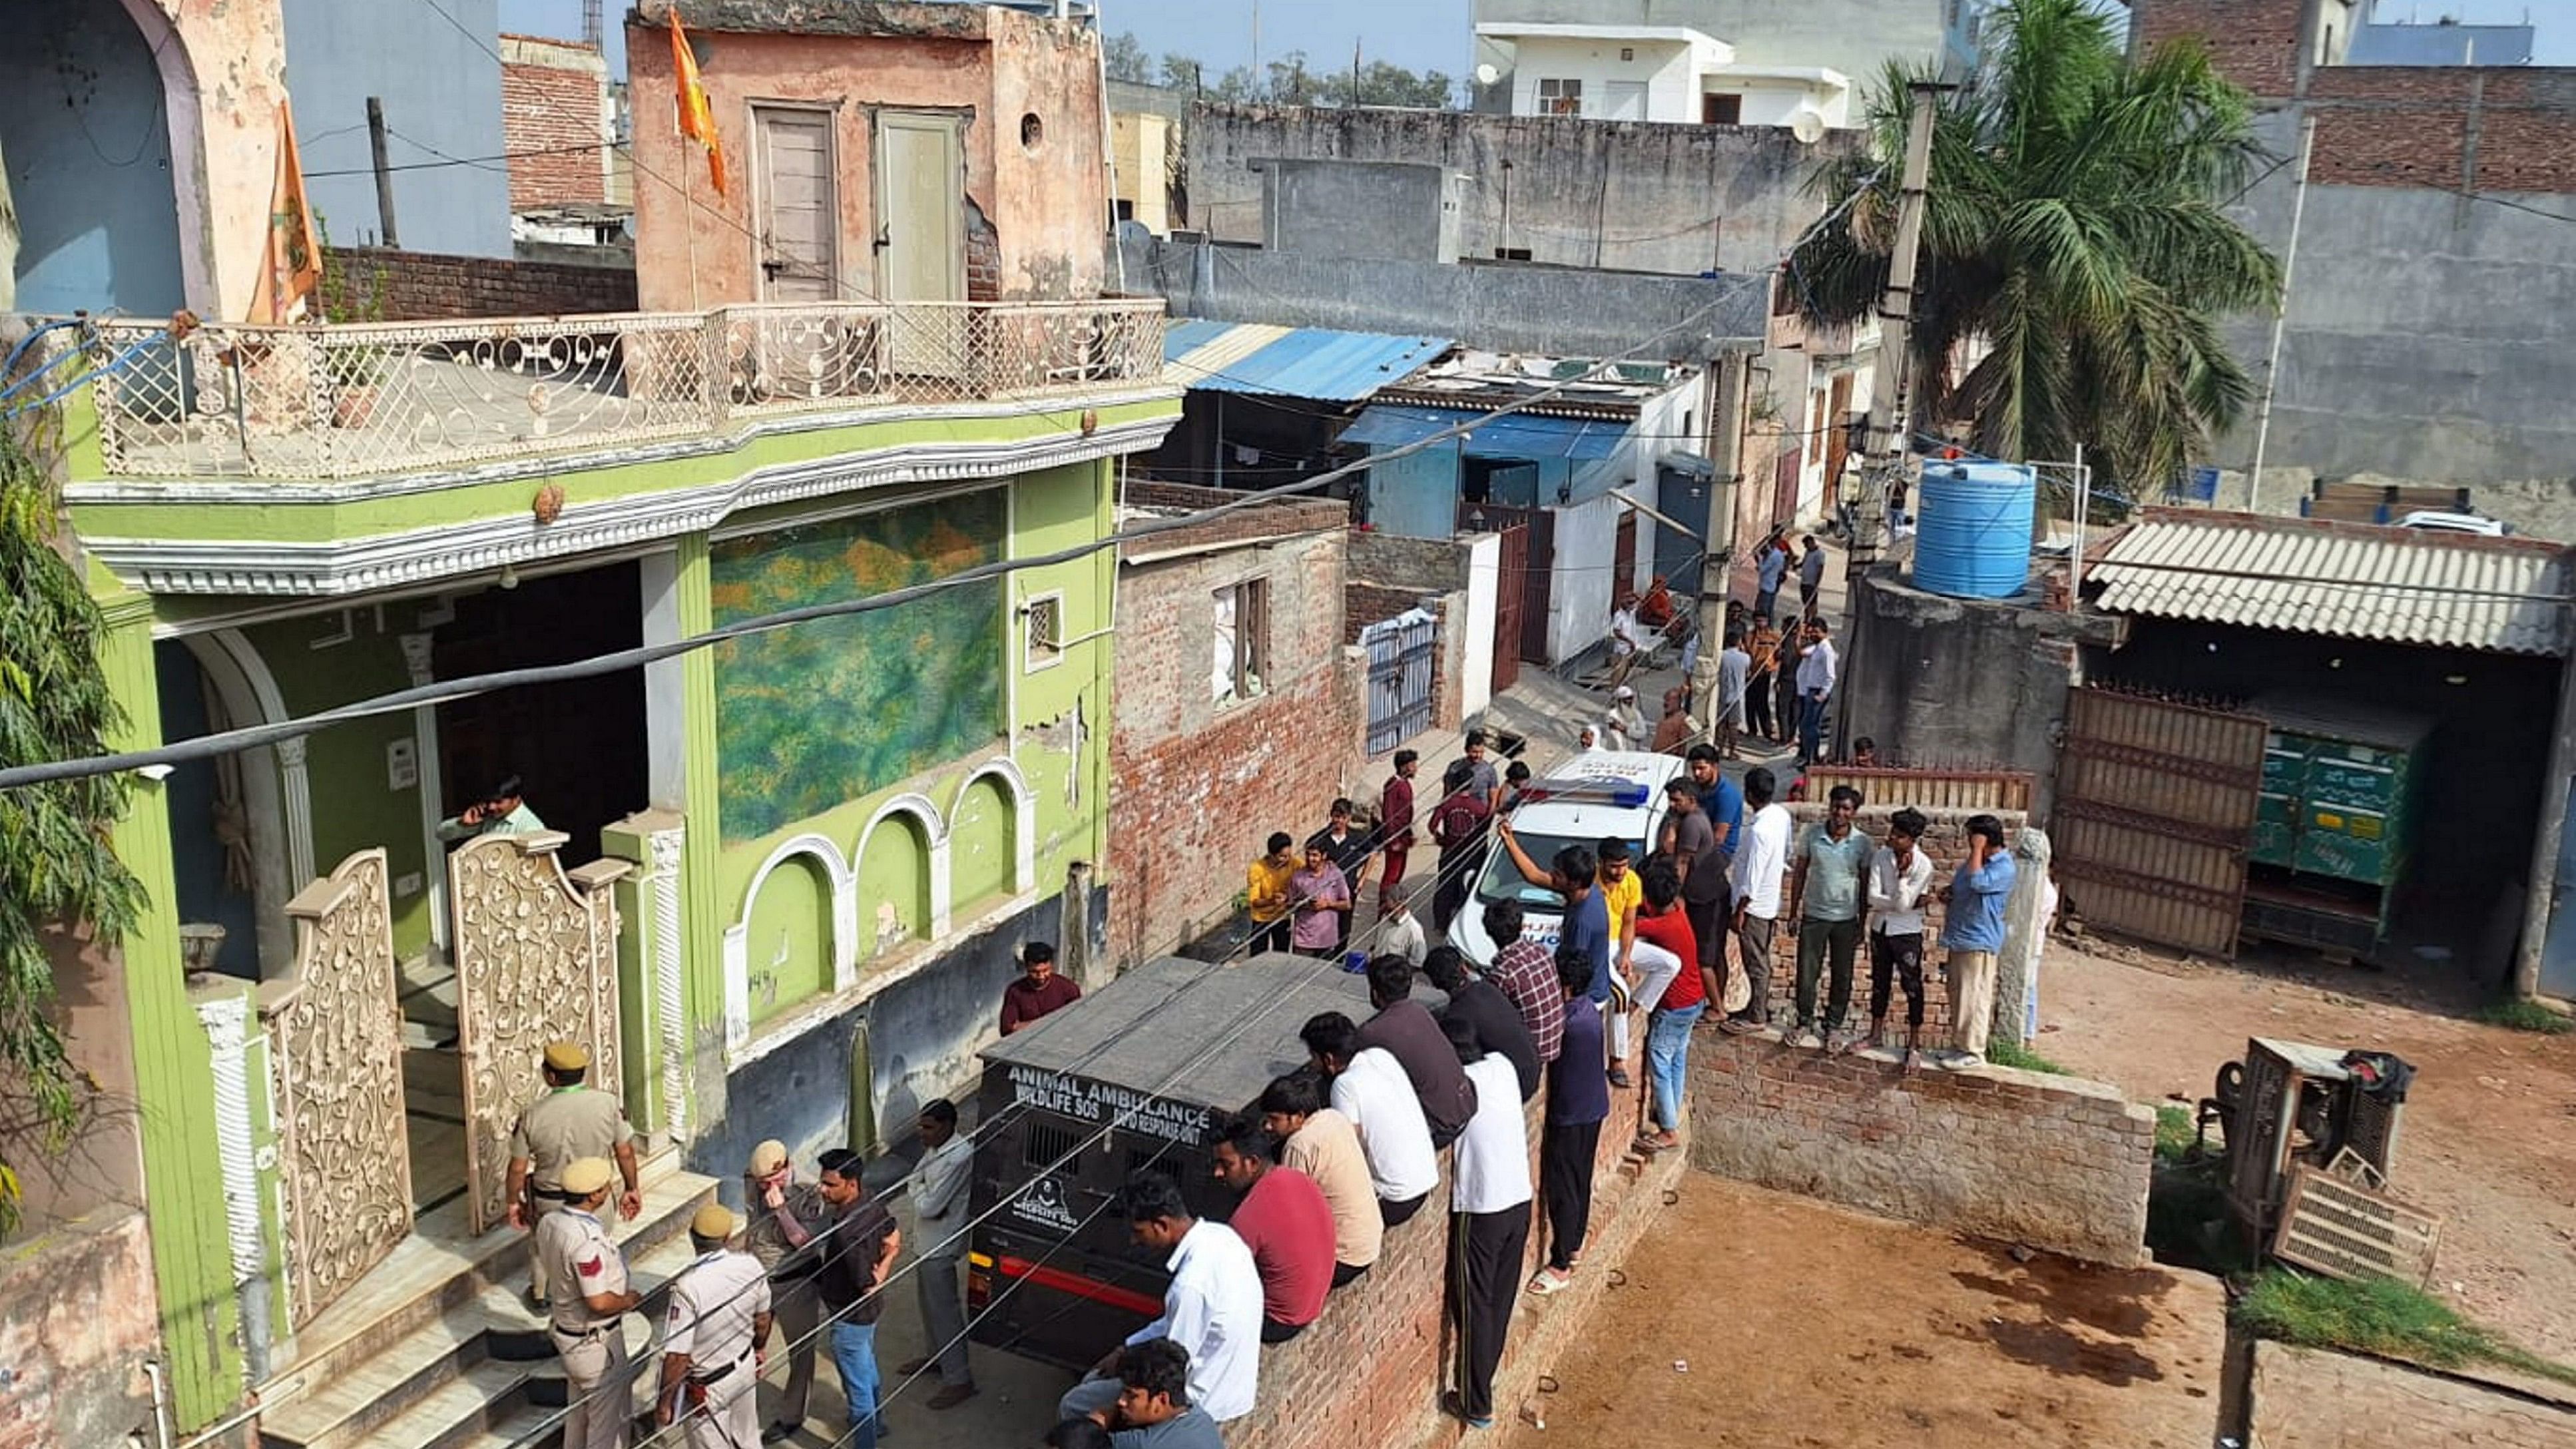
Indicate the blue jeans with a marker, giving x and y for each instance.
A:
(854, 1354)
(1667, 1057)
(1811, 728)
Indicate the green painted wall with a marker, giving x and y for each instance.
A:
(894, 887)
(353, 809)
(791, 958)
(979, 847)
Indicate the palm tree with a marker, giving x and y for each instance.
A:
(2074, 232)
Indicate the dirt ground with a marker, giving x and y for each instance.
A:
(2489, 1135)
(1719, 1337)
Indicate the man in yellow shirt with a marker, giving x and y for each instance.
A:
(1266, 894)
(1622, 890)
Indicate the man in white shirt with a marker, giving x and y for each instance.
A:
(938, 1189)
(1734, 670)
(1900, 875)
(1212, 1310)
(1370, 1088)
(1760, 863)
(1489, 1220)
(1623, 637)
(1399, 931)
(1622, 729)
(1815, 684)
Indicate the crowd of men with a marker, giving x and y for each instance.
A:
(1335, 1153)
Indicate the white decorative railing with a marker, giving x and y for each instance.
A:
(367, 399)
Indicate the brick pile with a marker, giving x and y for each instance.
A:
(2054, 1162)
(425, 286)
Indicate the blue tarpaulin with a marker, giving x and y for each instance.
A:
(1515, 435)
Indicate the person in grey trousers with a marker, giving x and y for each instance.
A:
(938, 1187)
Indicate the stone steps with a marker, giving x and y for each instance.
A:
(437, 1345)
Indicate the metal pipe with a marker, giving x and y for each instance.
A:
(2281, 315)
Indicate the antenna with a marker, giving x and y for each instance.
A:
(590, 23)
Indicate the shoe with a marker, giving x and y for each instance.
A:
(1619, 1078)
(910, 1366)
(1913, 1062)
(1457, 1407)
(1807, 1039)
(1738, 1026)
(778, 1433)
(1550, 1280)
(950, 1396)
(1963, 1061)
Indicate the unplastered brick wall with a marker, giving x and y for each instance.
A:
(1428, 565)
(1366, 604)
(1196, 784)
(1369, 1374)
(375, 283)
(2254, 42)
(555, 122)
(2055, 1162)
(1260, 523)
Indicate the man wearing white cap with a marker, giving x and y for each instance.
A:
(714, 1340)
(1623, 730)
(590, 1307)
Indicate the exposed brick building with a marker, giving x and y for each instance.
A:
(2435, 267)
(558, 122)
(1199, 780)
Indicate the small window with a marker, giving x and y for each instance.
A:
(1511, 254)
(1241, 663)
(1044, 634)
(1627, 52)
(1032, 131)
(1043, 1144)
(1560, 97)
(1721, 110)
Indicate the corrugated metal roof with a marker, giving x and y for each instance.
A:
(1513, 435)
(2354, 581)
(1309, 362)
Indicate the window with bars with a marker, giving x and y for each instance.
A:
(1241, 664)
(1044, 630)
(1560, 96)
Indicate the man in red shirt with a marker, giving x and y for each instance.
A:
(1395, 818)
(1662, 922)
(1458, 827)
(1037, 993)
(1285, 1221)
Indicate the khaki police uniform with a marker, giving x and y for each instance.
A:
(564, 1124)
(574, 1247)
(796, 1303)
(714, 1304)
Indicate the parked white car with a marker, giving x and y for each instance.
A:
(1583, 801)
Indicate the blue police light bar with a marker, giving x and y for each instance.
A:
(1623, 794)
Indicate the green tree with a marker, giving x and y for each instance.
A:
(1124, 55)
(1382, 83)
(57, 870)
(1183, 73)
(2075, 230)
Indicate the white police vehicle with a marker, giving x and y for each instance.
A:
(1582, 801)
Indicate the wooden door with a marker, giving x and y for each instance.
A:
(921, 217)
(798, 238)
(1509, 582)
(1623, 556)
(1837, 434)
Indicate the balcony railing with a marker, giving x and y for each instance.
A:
(368, 399)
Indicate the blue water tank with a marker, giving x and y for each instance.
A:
(1972, 533)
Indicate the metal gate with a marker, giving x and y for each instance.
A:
(2155, 814)
(1399, 678)
(1510, 580)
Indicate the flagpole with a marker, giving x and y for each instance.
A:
(689, 215)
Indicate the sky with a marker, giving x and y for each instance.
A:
(1432, 34)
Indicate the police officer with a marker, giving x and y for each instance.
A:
(788, 1218)
(587, 1321)
(571, 1120)
(715, 1339)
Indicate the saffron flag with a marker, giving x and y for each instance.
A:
(290, 272)
(697, 118)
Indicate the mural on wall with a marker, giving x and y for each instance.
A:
(811, 716)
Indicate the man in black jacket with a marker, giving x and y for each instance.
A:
(1488, 1013)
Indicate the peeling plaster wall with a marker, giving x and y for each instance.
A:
(237, 49)
(1045, 204)
(71, 1363)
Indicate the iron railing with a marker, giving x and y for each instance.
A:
(368, 399)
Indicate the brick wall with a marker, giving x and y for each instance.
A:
(1366, 604)
(1426, 565)
(1196, 785)
(2255, 42)
(1369, 1374)
(414, 286)
(2055, 1162)
(1267, 521)
(554, 122)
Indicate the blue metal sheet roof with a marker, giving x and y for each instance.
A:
(1307, 362)
(1514, 435)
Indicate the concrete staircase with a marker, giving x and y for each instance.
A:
(437, 1347)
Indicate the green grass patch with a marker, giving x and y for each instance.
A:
(2020, 1058)
(2177, 1132)
(2378, 1316)
(2528, 1016)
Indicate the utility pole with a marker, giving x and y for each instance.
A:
(1884, 462)
(1727, 379)
(384, 171)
